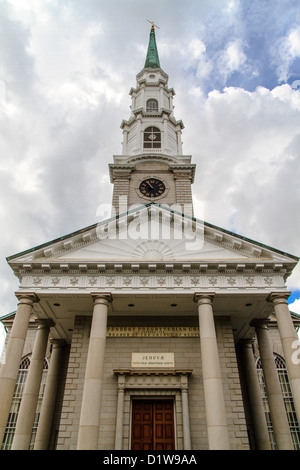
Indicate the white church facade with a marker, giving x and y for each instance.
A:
(151, 330)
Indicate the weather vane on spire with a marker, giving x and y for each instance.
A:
(153, 25)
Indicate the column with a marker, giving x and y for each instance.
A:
(179, 143)
(92, 388)
(143, 95)
(275, 399)
(120, 411)
(290, 344)
(164, 136)
(185, 414)
(125, 142)
(10, 369)
(212, 379)
(257, 411)
(49, 399)
(140, 135)
(31, 389)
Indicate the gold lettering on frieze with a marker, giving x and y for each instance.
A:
(152, 331)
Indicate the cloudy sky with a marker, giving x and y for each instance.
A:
(66, 68)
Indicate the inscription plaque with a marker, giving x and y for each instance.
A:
(155, 359)
(152, 331)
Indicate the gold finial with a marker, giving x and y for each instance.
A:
(153, 25)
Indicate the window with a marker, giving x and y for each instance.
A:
(152, 138)
(16, 402)
(288, 401)
(152, 105)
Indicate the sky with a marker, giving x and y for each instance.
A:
(66, 68)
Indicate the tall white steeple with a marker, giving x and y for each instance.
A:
(152, 146)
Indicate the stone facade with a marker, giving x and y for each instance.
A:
(118, 356)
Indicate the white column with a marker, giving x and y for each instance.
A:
(179, 143)
(31, 389)
(140, 135)
(125, 142)
(164, 136)
(275, 399)
(161, 97)
(257, 411)
(49, 399)
(92, 388)
(10, 369)
(212, 379)
(290, 344)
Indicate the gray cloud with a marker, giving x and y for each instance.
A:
(67, 68)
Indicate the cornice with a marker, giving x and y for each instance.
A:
(246, 255)
(243, 267)
(121, 278)
(141, 113)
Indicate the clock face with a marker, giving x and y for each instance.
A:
(152, 187)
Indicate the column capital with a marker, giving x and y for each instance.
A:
(184, 383)
(57, 342)
(278, 297)
(246, 343)
(28, 298)
(44, 323)
(204, 297)
(101, 297)
(121, 382)
(261, 323)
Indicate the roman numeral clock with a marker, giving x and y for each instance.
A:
(152, 187)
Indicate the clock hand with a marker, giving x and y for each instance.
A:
(150, 184)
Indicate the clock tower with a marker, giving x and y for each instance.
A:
(152, 167)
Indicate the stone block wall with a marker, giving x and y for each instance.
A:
(118, 355)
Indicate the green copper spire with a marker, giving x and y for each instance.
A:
(152, 59)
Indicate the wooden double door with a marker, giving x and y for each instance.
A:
(152, 425)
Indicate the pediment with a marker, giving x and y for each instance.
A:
(150, 250)
(153, 233)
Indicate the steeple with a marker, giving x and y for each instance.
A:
(152, 167)
(152, 59)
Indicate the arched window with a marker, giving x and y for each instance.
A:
(152, 138)
(152, 105)
(16, 402)
(287, 397)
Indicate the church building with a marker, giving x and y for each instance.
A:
(151, 329)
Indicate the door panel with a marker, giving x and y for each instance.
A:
(152, 425)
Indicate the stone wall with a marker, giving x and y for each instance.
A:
(118, 355)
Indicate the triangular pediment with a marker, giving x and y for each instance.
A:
(153, 233)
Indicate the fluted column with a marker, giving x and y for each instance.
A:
(290, 344)
(14, 350)
(212, 379)
(49, 399)
(257, 411)
(92, 389)
(275, 399)
(31, 389)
